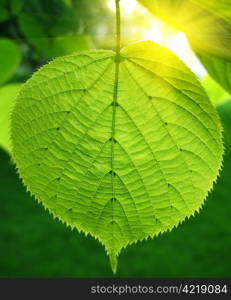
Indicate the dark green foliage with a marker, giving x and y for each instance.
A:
(54, 16)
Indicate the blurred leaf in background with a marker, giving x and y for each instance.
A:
(215, 92)
(53, 28)
(7, 95)
(53, 46)
(45, 29)
(224, 110)
(10, 58)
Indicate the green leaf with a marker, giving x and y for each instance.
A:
(10, 58)
(64, 45)
(54, 16)
(218, 68)
(123, 149)
(215, 92)
(7, 96)
(224, 110)
(51, 46)
(208, 34)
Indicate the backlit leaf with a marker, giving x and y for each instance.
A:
(123, 149)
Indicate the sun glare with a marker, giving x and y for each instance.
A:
(175, 41)
(180, 46)
(158, 32)
(129, 6)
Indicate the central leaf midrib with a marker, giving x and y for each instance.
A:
(114, 104)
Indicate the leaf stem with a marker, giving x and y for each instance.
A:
(118, 28)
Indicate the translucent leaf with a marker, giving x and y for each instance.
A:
(123, 149)
(10, 58)
(7, 96)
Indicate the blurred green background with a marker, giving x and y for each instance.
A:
(32, 244)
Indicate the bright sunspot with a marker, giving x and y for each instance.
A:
(129, 6)
(158, 32)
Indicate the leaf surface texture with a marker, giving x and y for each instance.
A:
(122, 149)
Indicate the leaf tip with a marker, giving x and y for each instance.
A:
(113, 262)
